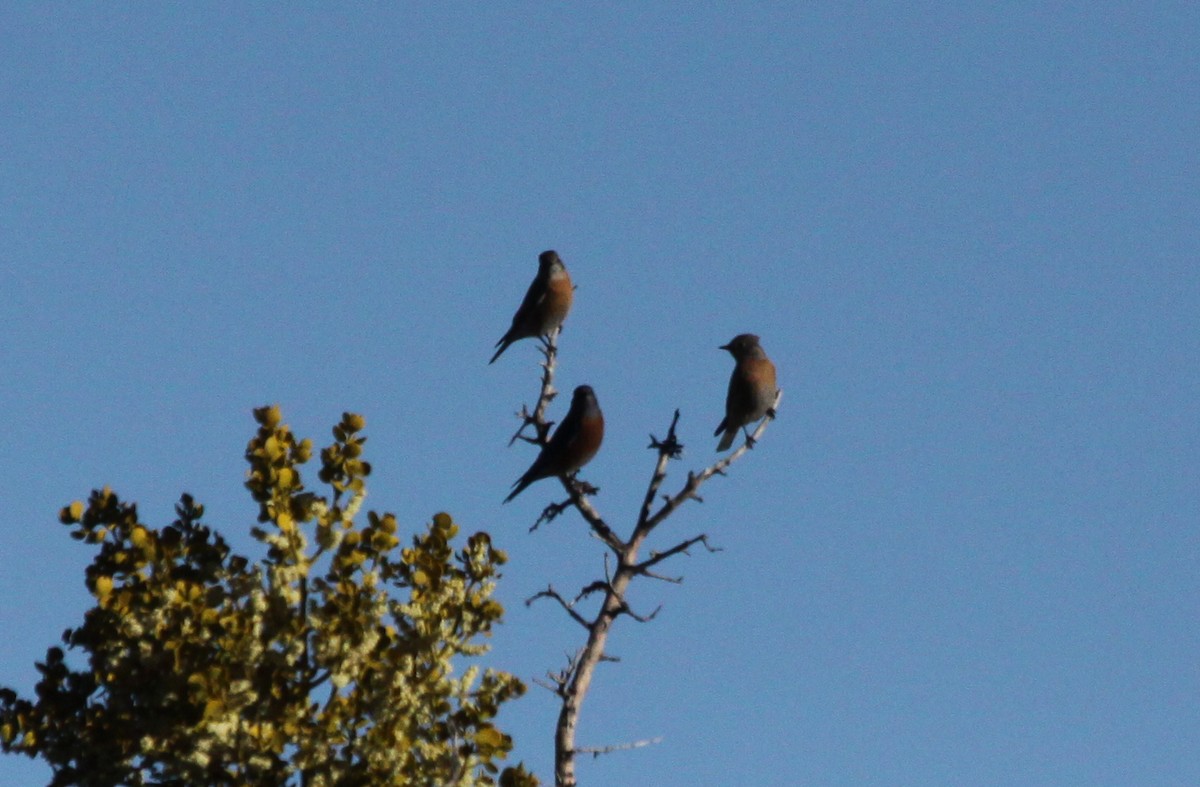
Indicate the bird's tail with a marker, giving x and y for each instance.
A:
(727, 438)
(519, 486)
(503, 345)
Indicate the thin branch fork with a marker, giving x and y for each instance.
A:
(667, 449)
(695, 480)
(551, 593)
(561, 678)
(557, 688)
(658, 557)
(627, 610)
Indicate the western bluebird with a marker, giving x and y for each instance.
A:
(545, 306)
(751, 388)
(573, 444)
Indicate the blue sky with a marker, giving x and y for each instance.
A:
(968, 234)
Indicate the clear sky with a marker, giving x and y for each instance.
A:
(968, 233)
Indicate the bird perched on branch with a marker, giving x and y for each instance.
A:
(751, 388)
(573, 444)
(545, 306)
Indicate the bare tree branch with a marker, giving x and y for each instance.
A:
(573, 682)
(661, 577)
(667, 450)
(560, 678)
(556, 689)
(596, 751)
(627, 610)
(550, 592)
(658, 557)
(550, 513)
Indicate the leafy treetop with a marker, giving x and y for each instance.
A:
(329, 662)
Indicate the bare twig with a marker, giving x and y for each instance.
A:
(550, 513)
(670, 446)
(627, 610)
(537, 419)
(550, 592)
(661, 577)
(549, 347)
(562, 677)
(526, 419)
(557, 689)
(658, 557)
(667, 450)
(596, 751)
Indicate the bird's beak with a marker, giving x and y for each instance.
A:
(723, 347)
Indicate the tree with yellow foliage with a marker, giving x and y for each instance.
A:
(334, 660)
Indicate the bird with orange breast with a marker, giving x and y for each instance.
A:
(573, 444)
(545, 306)
(751, 388)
